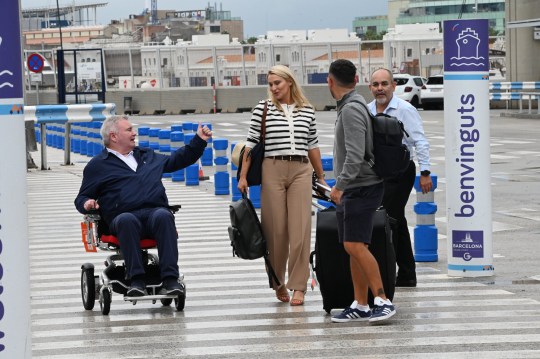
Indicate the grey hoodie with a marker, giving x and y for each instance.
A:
(353, 136)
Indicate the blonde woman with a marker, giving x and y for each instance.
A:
(291, 155)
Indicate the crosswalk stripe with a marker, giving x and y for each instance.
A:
(231, 312)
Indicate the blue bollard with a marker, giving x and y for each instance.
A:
(153, 138)
(55, 136)
(176, 128)
(164, 137)
(255, 196)
(221, 177)
(177, 141)
(425, 232)
(84, 139)
(98, 143)
(48, 135)
(75, 138)
(207, 157)
(328, 168)
(143, 137)
(192, 175)
(192, 172)
(236, 194)
(61, 137)
(90, 139)
(187, 127)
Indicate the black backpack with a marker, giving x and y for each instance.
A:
(246, 235)
(391, 156)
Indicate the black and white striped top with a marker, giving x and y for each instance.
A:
(293, 135)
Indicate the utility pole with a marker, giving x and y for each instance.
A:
(59, 24)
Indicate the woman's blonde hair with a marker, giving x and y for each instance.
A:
(297, 94)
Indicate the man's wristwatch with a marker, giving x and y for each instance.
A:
(425, 173)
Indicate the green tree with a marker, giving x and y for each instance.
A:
(373, 35)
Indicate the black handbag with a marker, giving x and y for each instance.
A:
(254, 174)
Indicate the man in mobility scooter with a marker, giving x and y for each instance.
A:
(123, 183)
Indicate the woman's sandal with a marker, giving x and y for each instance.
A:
(298, 301)
(282, 295)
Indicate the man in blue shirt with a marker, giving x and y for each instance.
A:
(124, 183)
(397, 190)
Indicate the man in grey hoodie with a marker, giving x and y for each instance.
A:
(357, 193)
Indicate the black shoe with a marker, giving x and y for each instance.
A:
(137, 288)
(172, 287)
(405, 282)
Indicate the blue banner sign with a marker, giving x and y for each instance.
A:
(15, 335)
(10, 52)
(467, 148)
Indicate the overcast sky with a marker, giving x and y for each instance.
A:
(259, 15)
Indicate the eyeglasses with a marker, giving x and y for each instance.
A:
(383, 84)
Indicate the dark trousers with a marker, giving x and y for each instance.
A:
(396, 195)
(156, 223)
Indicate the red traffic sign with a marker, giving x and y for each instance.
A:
(35, 63)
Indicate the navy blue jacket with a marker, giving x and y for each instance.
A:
(119, 189)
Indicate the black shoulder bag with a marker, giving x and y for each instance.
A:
(254, 174)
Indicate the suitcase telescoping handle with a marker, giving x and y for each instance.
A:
(318, 194)
(320, 185)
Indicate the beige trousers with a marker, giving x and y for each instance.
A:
(286, 219)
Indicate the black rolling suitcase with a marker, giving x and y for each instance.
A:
(330, 261)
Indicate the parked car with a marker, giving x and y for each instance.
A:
(433, 94)
(408, 88)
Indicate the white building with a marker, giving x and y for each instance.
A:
(409, 48)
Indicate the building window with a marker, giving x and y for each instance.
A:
(409, 53)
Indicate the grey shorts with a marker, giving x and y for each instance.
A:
(356, 211)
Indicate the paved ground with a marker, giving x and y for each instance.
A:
(230, 312)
